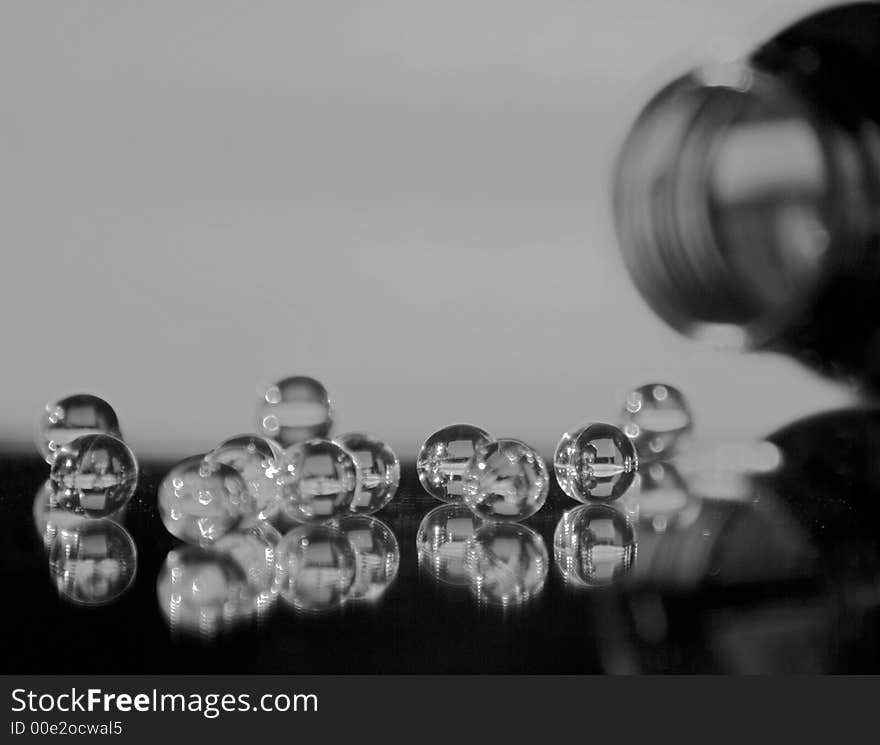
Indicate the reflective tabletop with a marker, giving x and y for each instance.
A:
(733, 557)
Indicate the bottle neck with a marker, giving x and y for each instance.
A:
(747, 197)
(719, 169)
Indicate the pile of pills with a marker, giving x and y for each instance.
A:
(229, 503)
(508, 480)
(285, 512)
(490, 485)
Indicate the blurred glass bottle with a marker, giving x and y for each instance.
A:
(747, 196)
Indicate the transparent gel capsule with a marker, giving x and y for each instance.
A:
(657, 418)
(318, 480)
(441, 542)
(444, 456)
(660, 500)
(94, 475)
(258, 460)
(295, 409)
(203, 591)
(72, 417)
(315, 568)
(378, 556)
(596, 461)
(93, 562)
(200, 501)
(506, 480)
(506, 564)
(594, 545)
(378, 469)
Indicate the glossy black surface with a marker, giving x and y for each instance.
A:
(783, 575)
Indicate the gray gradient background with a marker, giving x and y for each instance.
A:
(408, 200)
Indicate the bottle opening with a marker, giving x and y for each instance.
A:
(721, 203)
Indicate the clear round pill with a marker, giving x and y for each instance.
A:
(258, 460)
(200, 501)
(595, 462)
(71, 417)
(444, 456)
(378, 471)
(295, 409)
(657, 418)
(506, 480)
(318, 481)
(94, 475)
